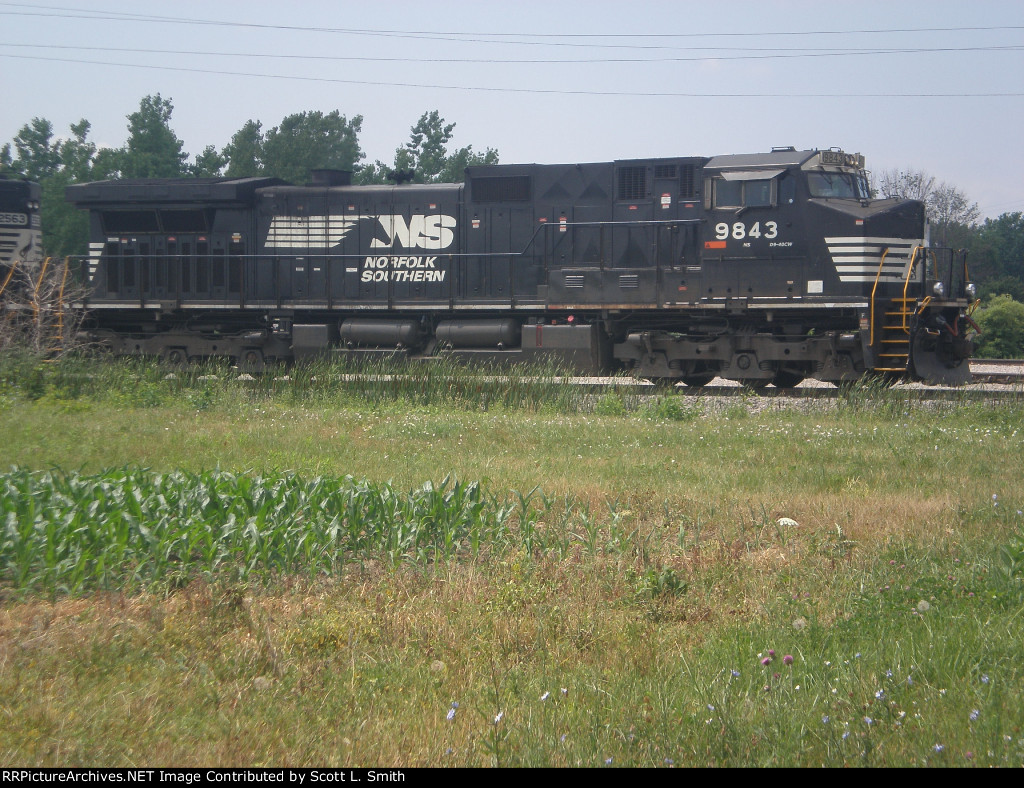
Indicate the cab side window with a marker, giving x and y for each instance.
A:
(728, 194)
(743, 193)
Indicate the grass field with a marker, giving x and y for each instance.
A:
(449, 570)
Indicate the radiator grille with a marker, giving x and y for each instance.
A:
(632, 183)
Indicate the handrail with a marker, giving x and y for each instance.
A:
(14, 265)
(60, 302)
(906, 284)
(35, 292)
(871, 333)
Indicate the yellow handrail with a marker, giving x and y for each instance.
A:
(871, 334)
(35, 293)
(60, 303)
(14, 265)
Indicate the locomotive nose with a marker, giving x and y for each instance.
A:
(886, 218)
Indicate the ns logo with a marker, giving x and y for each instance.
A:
(423, 232)
(419, 231)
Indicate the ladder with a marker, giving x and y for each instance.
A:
(895, 338)
(894, 343)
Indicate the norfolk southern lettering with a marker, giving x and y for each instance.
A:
(401, 269)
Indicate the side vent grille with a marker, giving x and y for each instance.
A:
(688, 182)
(629, 280)
(632, 183)
(574, 280)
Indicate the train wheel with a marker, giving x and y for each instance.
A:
(698, 380)
(787, 380)
(251, 361)
(175, 357)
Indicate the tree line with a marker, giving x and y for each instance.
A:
(290, 150)
(306, 141)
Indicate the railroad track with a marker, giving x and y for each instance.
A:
(998, 370)
(993, 379)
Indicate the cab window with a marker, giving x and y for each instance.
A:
(728, 194)
(841, 185)
(742, 193)
(757, 194)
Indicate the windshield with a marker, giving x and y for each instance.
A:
(843, 185)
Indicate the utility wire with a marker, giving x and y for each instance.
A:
(771, 53)
(542, 39)
(533, 91)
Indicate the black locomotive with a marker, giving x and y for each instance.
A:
(20, 236)
(762, 268)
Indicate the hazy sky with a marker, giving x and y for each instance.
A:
(935, 86)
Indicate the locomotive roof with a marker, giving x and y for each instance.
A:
(19, 186)
(167, 190)
(383, 189)
(776, 158)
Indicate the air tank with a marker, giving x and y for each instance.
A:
(498, 333)
(369, 332)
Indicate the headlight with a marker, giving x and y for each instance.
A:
(971, 290)
(939, 289)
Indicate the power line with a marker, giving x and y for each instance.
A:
(770, 54)
(534, 91)
(545, 39)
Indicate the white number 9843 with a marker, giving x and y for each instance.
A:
(739, 230)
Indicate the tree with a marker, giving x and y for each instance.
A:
(153, 150)
(1002, 328)
(426, 155)
(244, 153)
(455, 166)
(997, 254)
(208, 164)
(948, 208)
(38, 154)
(77, 153)
(55, 163)
(308, 141)
(905, 184)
